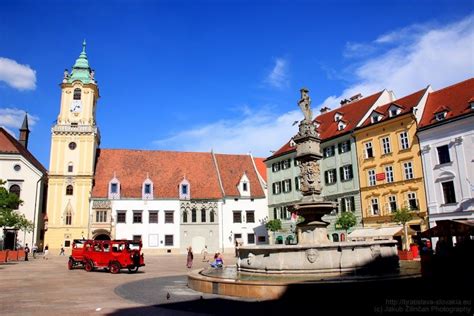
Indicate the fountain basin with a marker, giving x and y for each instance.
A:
(324, 259)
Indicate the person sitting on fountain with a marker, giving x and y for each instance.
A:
(218, 262)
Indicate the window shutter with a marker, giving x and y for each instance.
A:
(343, 204)
(352, 203)
(273, 187)
(326, 180)
(341, 173)
(351, 174)
(339, 148)
(289, 185)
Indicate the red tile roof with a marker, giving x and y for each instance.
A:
(9, 145)
(232, 168)
(405, 104)
(261, 167)
(454, 98)
(352, 113)
(167, 169)
(287, 148)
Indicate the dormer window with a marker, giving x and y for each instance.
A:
(147, 189)
(375, 117)
(292, 143)
(114, 188)
(77, 94)
(184, 190)
(244, 185)
(394, 111)
(440, 116)
(471, 104)
(337, 117)
(341, 126)
(317, 124)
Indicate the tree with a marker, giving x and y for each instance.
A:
(9, 217)
(273, 225)
(403, 216)
(346, 220)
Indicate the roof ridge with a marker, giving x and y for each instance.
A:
(452, 86)
(338, 109)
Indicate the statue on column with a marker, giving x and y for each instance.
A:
(305, 105)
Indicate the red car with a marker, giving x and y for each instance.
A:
(107, 254)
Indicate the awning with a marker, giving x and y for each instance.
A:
(446, 228)
(382, 232)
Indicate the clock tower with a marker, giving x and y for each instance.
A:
(74, 141)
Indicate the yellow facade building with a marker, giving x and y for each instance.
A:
(390, 167)
(75, 138)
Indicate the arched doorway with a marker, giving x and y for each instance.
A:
(102, 237)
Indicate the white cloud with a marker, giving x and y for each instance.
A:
(278, 77)
(16, 75)
(12, 118)
(419, 55)
(257, 132)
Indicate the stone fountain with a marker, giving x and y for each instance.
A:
(314, 257)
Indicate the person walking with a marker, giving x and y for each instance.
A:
(35, 250)
(27, 251)
(189, 260)
(61, 253)
(46, 251)
(204, 255)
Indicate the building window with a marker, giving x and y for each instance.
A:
(341, 126)
(346, 173)
(169, 240)
(443, 154)
(287, 185)
(348, 204)
(394, 111)
(276, 187)
(386, 145)
(375, 206)
(330, 176)
(153, 217)
(250, 216)
(193, 215)
(276, 166)
(72, 145)
(448, 192)
(184, 189)
(250, 238)
(137, 217)
(203, 216)
(371, 174)
(440, 116)
(77, 94)
(17, 167)
(392, 203)
(113, 188)
(237, 216)
(211, 216)
(245, 186)
(412, 201)
(137, 238)
(285, 164)
(389, 174)
(261, 239)
(404, 144)
(185, 217)
(169, 217)
(101, 216)
(15, 189)
(121, 216)
(69, 190)
(408, 170)
(70, 167)
(344, 146)
(69, 218)
(275, 212)
(369, 153)
(329, 151)
(297, 183)
(147, 189)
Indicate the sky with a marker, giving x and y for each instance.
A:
(221, 75)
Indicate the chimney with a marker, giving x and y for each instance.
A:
(24, 132)
(356, 97)
(324, 110)
(344, 102)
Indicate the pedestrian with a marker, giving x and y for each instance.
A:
(46, 251)
(27, 251)
(189, 261)
(35, 250)
(204, 255)
(61, 253)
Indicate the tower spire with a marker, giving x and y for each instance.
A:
(24, 132)
(81, 70)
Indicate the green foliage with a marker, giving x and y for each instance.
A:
(346, 220)
(273, 225)
(402, 216)
(8, 216)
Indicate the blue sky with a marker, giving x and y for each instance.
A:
(221, 75)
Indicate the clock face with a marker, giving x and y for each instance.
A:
(76, 106)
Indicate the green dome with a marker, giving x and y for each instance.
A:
(81, 69)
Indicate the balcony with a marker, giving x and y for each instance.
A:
(74, 129)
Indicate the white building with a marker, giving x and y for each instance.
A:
(26, 177)
(446, 134)
(173, 200)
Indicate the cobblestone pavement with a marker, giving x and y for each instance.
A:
(47, 287)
